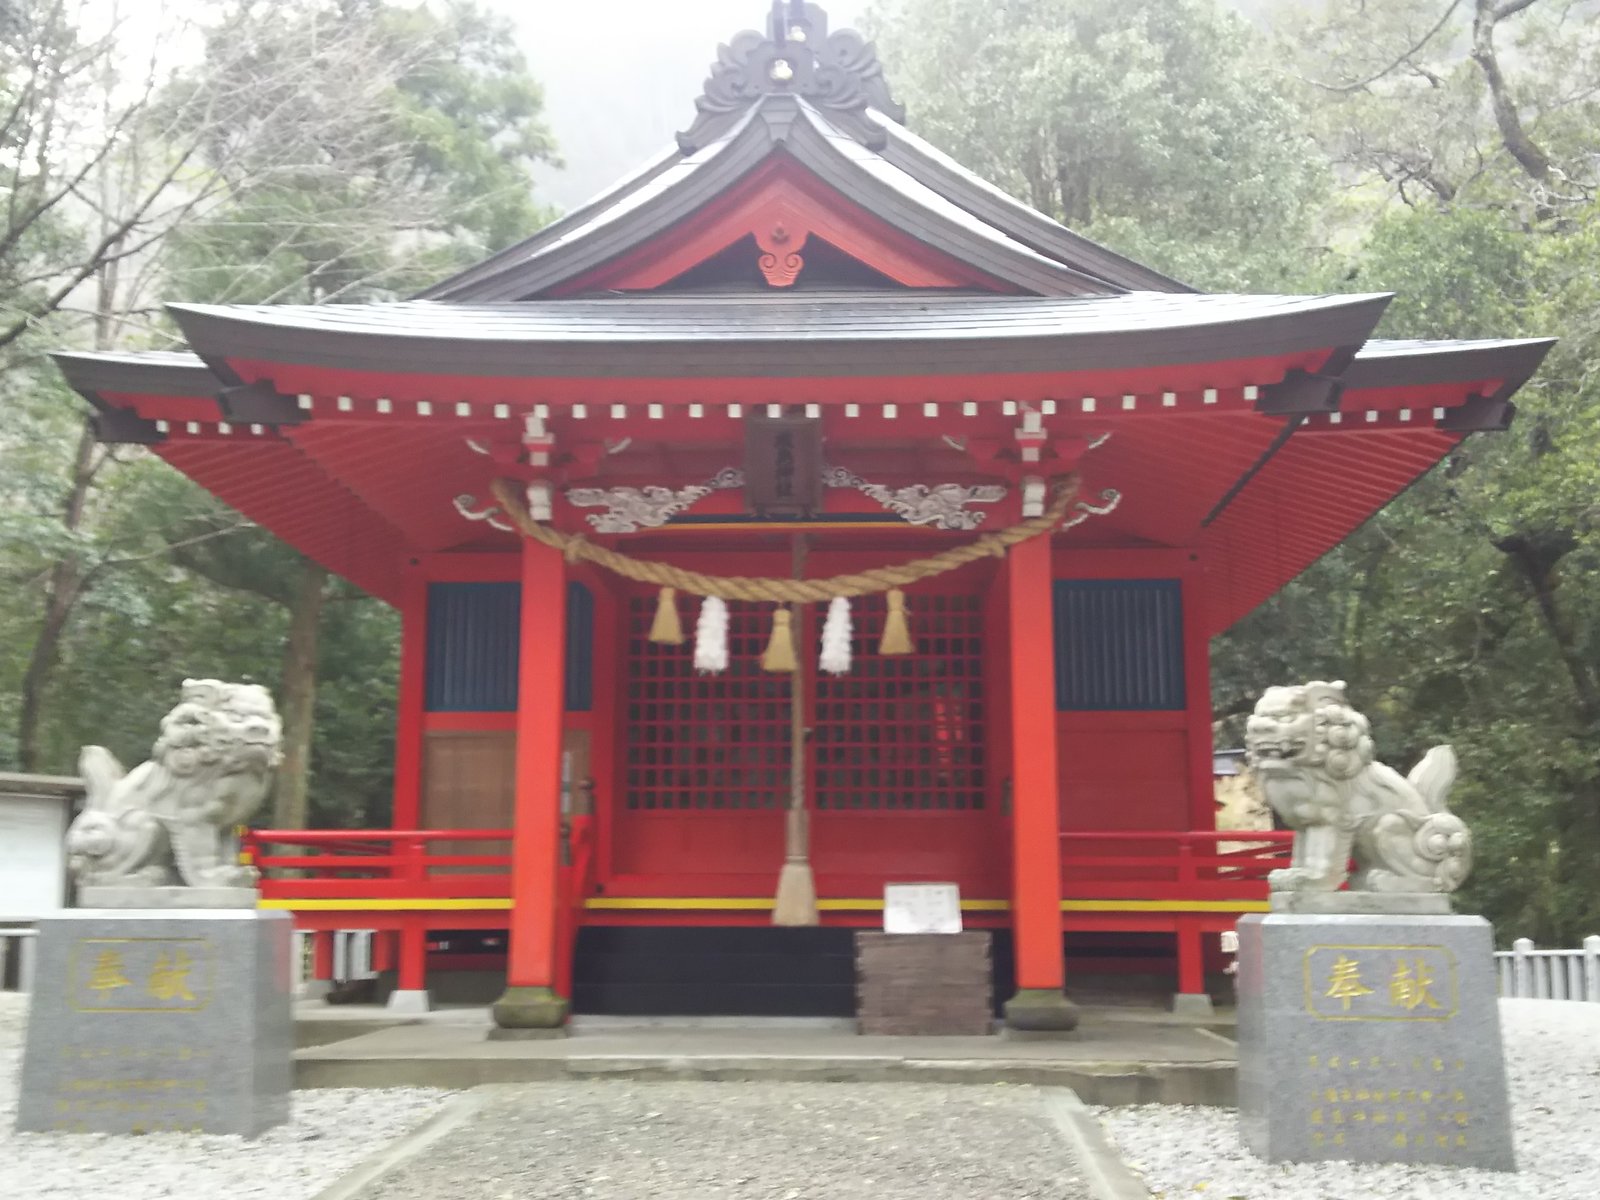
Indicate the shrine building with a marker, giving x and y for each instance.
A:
(801, 515)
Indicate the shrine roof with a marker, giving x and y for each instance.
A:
(783, 334)
(938, 204)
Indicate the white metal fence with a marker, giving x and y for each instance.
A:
(1530, 974)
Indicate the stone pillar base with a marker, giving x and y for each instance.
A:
(158, 1021)
(409, 1002)
(316, 989)
(1193, 1004)
(530, 1008)
(1040, 1011)
(1371, 1039)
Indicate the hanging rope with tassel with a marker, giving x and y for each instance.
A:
(711, 653)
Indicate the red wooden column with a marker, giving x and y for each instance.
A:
(530, 1000)
(1039, 1004)
(407, 809)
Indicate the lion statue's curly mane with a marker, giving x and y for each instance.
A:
(1313, 753)
(170, 820)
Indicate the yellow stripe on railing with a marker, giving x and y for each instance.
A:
(739, 904)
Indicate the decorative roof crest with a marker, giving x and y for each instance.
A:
(839, 73)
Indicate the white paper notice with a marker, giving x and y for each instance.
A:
(921, 908)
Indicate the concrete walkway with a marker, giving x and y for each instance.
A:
(1117, 1056)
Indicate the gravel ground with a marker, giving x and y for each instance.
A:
(1553, 1056)
(750, 1141)
(328, 1134)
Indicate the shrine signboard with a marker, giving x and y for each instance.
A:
(783, 467)
(921, 908)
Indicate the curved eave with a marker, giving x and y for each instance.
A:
(775, 338)
(147, 372)
(1405, 406)
(1382, 364)
(640, 212)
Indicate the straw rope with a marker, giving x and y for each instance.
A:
(801, 591)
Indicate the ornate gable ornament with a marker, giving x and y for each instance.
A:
(838, 73)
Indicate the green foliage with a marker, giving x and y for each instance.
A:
(321, 150)
(397, 151)
(1358, 147)
(1146, 124)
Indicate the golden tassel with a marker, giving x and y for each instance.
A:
(896, 633)
(666, 628)
(780, 649)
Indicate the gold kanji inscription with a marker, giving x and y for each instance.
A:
(1410, 985)
(108, 973)
(1344, 983)
(169, 978)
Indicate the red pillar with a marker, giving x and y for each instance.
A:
(1191, 960)
(413, 965)
(406, 812)
(531, 1001)
(1039, 1004)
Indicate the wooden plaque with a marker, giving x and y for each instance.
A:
(783, 467)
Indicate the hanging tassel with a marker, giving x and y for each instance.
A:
(711, 636)
(836, 638)
(665, 628)
(896, 634)
(780, 649)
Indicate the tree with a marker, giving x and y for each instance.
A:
(1428, 96)
(436, 179)
(1147, 124)
(433, 176)
(328, 151)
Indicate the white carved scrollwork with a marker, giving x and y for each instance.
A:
(628, 509)
(944, 505)
(467, 507)
(1083, 510)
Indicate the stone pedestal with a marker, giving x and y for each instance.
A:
(921, 984)
(144, 1021)
(1371, 1039)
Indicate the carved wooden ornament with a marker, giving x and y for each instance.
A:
(780, 260)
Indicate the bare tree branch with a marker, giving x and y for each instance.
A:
(1511, 8)
(1404, 57)
(1529, 155)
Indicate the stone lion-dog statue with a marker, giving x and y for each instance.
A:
(1314, 756)
(170, 820)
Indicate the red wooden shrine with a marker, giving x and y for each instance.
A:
(564, 787)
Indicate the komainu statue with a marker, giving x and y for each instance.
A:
(170, 820)
(1313, 754)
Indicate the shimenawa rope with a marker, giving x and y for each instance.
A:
(802, 591)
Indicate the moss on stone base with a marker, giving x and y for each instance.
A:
(530, 1008)
(1041, 1010)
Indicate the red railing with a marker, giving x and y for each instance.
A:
(429, 864)
(370, 864)
(1229, 864)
